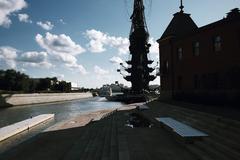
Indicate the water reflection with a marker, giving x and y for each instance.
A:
(61, 110)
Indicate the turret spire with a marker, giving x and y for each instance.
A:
(181, 7)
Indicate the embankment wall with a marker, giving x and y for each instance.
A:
(39, 98)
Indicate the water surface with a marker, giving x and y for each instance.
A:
(62, 111)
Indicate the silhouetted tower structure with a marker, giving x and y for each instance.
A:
(139, 48)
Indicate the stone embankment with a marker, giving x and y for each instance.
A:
(39, 98)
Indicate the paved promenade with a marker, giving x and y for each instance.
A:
(105, 135)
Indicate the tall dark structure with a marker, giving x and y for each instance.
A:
(139, 48)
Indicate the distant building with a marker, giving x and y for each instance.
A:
(75, 88)
(105, 90)
(117, 87)
(108, 89)
(201, 63)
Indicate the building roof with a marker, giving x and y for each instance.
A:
(180, 25)
(232, 16)
(183, 26)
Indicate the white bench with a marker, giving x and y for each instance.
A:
(181, 129)
(19, 127)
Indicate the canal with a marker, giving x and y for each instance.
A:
(62, 111)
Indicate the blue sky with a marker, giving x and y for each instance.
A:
(82, 41)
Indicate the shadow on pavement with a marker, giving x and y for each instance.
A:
(108, 138)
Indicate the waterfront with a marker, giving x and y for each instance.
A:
(110, 137)
(62, 111)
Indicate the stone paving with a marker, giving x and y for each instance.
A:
(109, 138)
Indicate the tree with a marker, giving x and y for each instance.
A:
(64, 86)
(11, 80)
(44, 84)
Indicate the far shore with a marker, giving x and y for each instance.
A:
(8, 100)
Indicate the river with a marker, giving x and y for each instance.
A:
(62, 111)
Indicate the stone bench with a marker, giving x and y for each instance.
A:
(184, 131)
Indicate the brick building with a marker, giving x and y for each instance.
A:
(201, 63)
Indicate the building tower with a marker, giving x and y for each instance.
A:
(139, 48)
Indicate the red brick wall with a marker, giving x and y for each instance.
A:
(208, 63)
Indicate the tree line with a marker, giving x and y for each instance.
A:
(15, 81)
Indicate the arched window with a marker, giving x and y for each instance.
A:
(217, 43)
(180, 53)
(196, 48)
(166, 64)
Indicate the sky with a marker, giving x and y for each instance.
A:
(83, 41)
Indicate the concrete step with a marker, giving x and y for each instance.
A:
(231, 125)
(97, 144)
(76, 151)
(218, 120)
(225, 141)
(217, 135)
(123, 151)
(89, 148)
(223, 148)
(211, 127)
(105, 155)
(114, 142)
(207, 126)
(212, 152)
(234, 123)
(201, 155)
(102, 138)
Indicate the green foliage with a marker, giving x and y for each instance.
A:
(63, 86)
(11, 80)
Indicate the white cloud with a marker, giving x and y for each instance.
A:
(99, 41)
(59, 76)
(96, 46)
(23, 70)
(46, 25)
(44, 64)
(78, 68)
(62, 21)
(11, 58)
(8, 57)
(154, 50)
(63, 49)
(7, 7)
(59, 44)
(116, 60)
(35, 59)
(99, 71)
(24, 18)
(122, 44)
(154, 46)
(155, 81)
